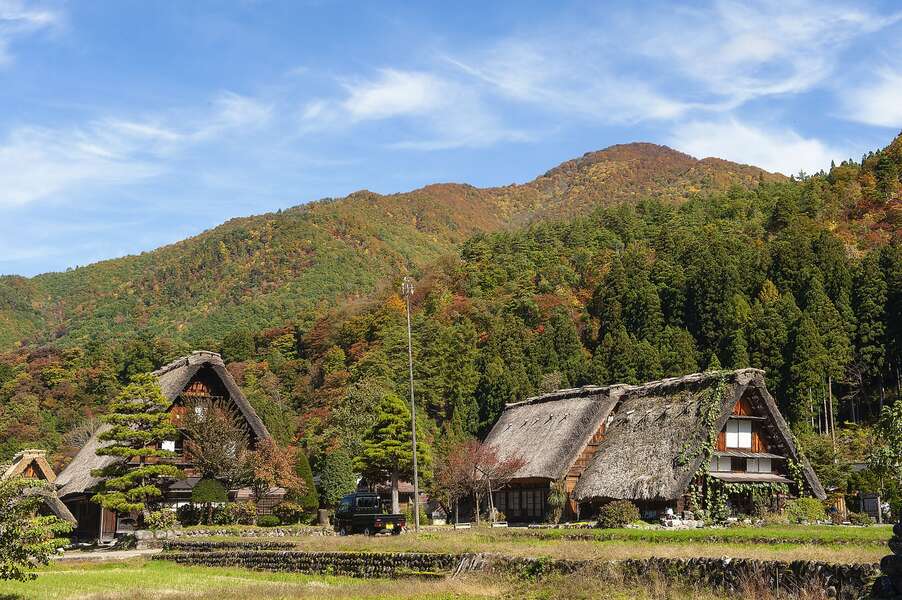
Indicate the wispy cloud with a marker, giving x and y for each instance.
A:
(877, 101)
(446, 113)
(774, 149)
(18, 20)
(40, 162)
(740, 51)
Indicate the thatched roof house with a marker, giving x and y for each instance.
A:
(648, 443)
(199, 376)
(32, 464)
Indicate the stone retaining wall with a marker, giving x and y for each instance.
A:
(354, 564)
(841, 581)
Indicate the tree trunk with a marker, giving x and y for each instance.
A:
(395, 504)
(476, 494)
(456, 502)
(832, 424)
(879, 509)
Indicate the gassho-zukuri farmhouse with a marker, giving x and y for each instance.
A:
(681, 443)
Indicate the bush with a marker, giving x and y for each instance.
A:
(619, 513)
(290, 513)
(309, 499)
(226, 514)
(188, 514)
(860, 518)
(268, 521)
(408, 514)
(208, 491)
(557, 500)
(162, 519)
(805, 510)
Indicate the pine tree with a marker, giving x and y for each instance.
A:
(869, 302)
(737, 351)
(308, 497)
(677, 352)
(806, 370)
(387, 452)
(140, 424)
(337, 477)
(571, 356)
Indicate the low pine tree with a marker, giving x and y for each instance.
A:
(139, 425)
(308, 498)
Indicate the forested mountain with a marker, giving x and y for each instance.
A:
(605, 269)
(265, 270)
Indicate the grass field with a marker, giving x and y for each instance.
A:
(147, 580)
(829, 544)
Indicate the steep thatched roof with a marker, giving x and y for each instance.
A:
(550, 431)
(23, 459)
(53, 504)
(173, 378)
(649, 449)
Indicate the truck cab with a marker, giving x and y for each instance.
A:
(362, 512)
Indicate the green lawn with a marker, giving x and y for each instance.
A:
(147, 580)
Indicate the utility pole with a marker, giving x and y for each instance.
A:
(407, 292)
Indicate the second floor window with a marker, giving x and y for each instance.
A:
(739, 433)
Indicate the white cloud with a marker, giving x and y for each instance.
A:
(740, 51)
(445, 113)
(878, 102)
(38, 163)
(572, 78)
(780, 150)
(394, 93)
(17, 20)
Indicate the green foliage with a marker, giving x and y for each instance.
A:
(308, 499)
(557, 500)
(861, 519)
(268, 521)
(290, 513)
(805, 510)
(209, 491)
(26, 540)
(139, 424)
(160, 520)
(235, 513)
(336, 477)
(387, 449)
(618, 513)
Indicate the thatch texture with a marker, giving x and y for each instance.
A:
(76, 478)
(53, 504)
(550, 431)
(173, 378)
(650, 447)
(22, 460)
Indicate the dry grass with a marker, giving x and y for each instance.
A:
(494, 541)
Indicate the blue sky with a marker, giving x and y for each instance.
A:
(126, 125)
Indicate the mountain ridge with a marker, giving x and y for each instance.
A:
(303, 258)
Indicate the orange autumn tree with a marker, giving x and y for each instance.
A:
(274, 467)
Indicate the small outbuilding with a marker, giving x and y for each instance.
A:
(682, 443)
(32, 464)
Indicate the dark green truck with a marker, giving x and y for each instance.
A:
(362, 512)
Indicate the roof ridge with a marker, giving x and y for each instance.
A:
(184, 361)
(667, 382)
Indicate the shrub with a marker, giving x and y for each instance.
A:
(557, 499)
(805, 510)
(289, 512)
(408, 514)
(268, 521)
(188, 514)
(619, 513)
(162, 519)
(774, 518)
(860, 518)
(208, 491)
(247, 512)
(309, 498)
